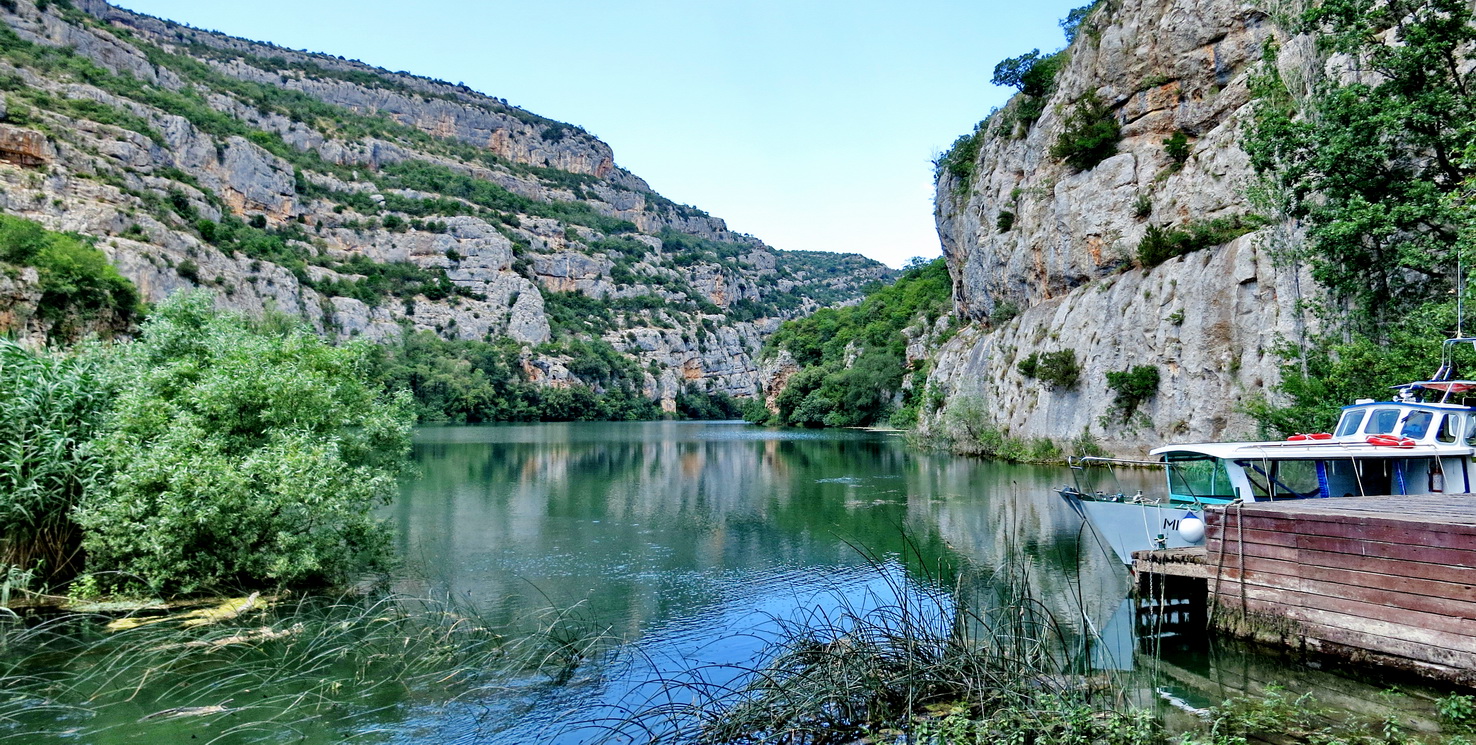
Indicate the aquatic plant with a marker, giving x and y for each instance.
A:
(881, 662)
(309, 668)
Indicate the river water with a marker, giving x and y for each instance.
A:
(690, 541)
(683, 548)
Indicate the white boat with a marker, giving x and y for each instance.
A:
(1420, 442)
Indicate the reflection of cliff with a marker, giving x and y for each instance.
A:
(659, 520)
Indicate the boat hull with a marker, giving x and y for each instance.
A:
(1125, 527)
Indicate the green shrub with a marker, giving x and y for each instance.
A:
(1131, 388)
(1161, 244)
(1089, 135)
(242, 456)
(1143, 206)
(76, 278)
(1004, 311)
(1005, 221)
(959, 159)
(189, 270)
(54, 404)
(1060, 369)
(1177, 147)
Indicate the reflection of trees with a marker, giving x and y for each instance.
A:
(1008, 521)
(636, 519)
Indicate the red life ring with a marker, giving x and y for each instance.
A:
(1390, 441)
(1314, 436)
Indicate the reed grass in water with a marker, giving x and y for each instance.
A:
(310, 670)
(914, 660)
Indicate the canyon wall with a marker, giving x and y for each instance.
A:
(373, 203)
(1061, 273)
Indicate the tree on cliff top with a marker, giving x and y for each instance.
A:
(1379, 172)
(1372, 167)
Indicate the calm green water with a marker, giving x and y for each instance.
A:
(684, 547)
(687, 540)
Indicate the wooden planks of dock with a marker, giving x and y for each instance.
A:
(1389, 580)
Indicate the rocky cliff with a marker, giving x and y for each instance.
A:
(370, 202)
(1044, 258)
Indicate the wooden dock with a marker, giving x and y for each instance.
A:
(1386, 580)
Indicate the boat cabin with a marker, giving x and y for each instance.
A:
(1405, 446)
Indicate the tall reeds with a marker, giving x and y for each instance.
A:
(52, 406)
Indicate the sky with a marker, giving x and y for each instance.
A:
(811, 124)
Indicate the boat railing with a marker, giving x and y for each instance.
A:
(1081, 463)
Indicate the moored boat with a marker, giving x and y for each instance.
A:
(1419, 442)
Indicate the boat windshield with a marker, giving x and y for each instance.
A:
(1350, 422)
(1382, 422)
(1195, 476)
(1417, 425)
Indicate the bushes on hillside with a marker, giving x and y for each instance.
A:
(830, 393)
(1130, 388)
(1090, 134)
(1160, 244)
(77, 282)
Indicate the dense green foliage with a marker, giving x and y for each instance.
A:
(476, 381)
(1034, 77)
(1159, 244)
(1378, 172)
(1130, 388)
(240, 455)
(77, 282)
(1060, 369)
(1340, 371)
(1089, 135)
(960, 158)
(53, 405)
(473, 381)
(1176, 147)
(828, 392)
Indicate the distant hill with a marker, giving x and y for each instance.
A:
(374, 203)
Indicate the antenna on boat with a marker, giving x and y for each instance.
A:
(1460, 293)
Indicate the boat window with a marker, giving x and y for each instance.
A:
(1382, 422)
(1197, 475)
(1417, 425)
(1471, 430)
(1450, 428)
(1348, 425)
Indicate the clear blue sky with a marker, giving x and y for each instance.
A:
(808, 123)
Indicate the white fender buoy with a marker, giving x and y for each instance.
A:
(1191, 528)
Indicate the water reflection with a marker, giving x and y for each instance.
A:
(688, 539)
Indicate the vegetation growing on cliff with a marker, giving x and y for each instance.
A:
(1089, 134)
(78, 286)
(853, 358)
(1376, 169)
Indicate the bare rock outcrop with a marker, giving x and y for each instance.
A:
(1064, 258)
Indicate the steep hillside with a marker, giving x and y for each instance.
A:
(372, 203)
(1099, 221)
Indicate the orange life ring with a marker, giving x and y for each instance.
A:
(1390, 441)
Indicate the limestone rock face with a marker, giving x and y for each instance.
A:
(373, 204)
(1067, 264)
